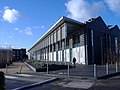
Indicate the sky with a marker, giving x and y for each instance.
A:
(23, 22)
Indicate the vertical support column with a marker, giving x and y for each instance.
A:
(60, 51)
(86, 48)
(65, 51)
(56, 45)
(107, 68)
(92, 41)
(45, 53)
(68, 70)
(49, 53)
(56, 51)
(60, 45)
(116, 67)
(95, 71)
(52, 52)
(51, 37)
(48, 50)
(65, 27)
(71, 46)
(47, 68)
(41, 54)
(79, 50)
(101, 51)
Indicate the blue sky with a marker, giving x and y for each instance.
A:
(23, 22)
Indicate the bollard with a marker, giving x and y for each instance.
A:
(116, 67)
(47, 69)
(95, 71)
(107, 68)
(68, 69)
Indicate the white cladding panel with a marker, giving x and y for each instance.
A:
(82, 54)
(58, 34)
(67, 55)
(75, 52)
(49, 39)
(44, 55)
(63, 32)
(59, 56)
(38, 57)
(79, 54)
(45, 41)
(54, 36)
(50, 56)
(54, 56)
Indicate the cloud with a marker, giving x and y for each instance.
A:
(113, 5)
(38, 27)
(10, 15)
(11, 35)
(82, 10)
(18, 30)
(42, 26)
(28, 31)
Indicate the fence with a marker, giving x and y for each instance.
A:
(87, 70)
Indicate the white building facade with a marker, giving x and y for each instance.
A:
(61, 43)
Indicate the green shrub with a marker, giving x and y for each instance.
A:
(2, 81)
(42, 65)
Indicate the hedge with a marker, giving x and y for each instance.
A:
(2, 81)
(42, 65)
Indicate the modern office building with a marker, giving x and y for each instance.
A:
(18, 54)
(90, 42)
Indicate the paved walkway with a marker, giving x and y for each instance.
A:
(40, 77)
(16, 67)
(25, 81)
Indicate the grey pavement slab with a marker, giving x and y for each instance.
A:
(27, 77)
(35, 84)
(11, 84)
(26, 80)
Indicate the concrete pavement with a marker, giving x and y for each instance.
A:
(38, 80)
